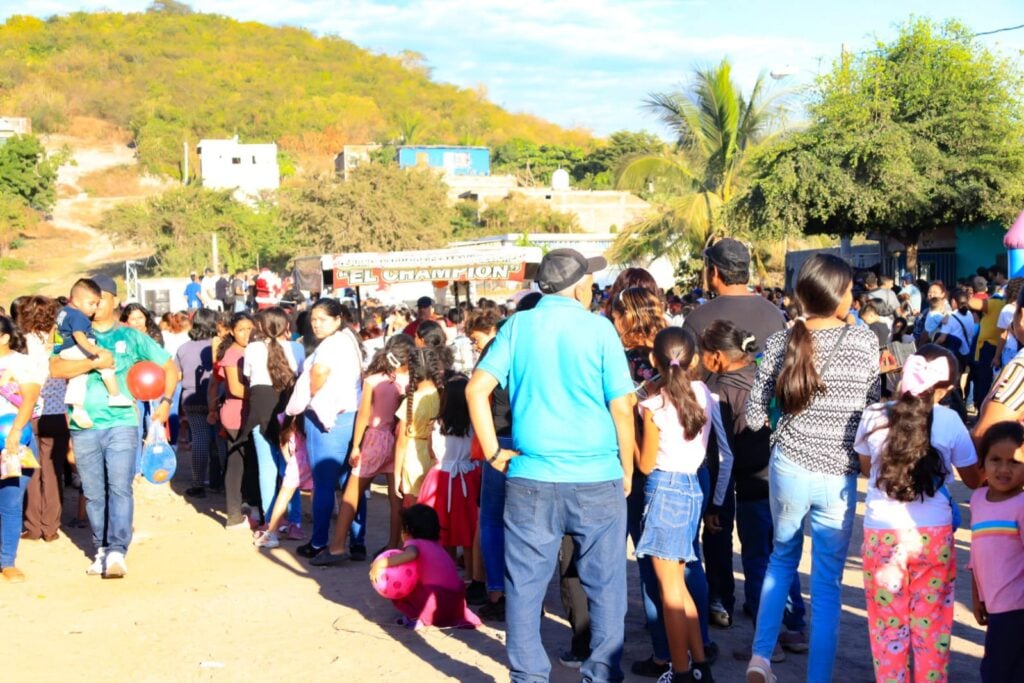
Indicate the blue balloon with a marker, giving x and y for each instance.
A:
(158, 462)
(6, 422)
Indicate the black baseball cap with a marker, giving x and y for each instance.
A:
(424, 302)
(728, 254)
(106, 284)
(562, 268)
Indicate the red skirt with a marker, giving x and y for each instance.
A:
(454, 498)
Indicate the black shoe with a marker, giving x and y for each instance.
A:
(700, 672)
(357, 553)
(476, 593)
(309, 550)
(649, 668)
(711, 653)
(196, 492)
(493, 611)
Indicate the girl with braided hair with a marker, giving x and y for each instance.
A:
(373, 444)
(421, 406)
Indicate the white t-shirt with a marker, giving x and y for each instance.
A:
(174, 341)
(17, 369)
(52, 392)
(254, 365)
(949, 437)
(676, 453)
(961, 326)
(209, 287)
(1011, 347)
(340, 354)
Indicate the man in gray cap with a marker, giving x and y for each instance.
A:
(105, 452)
(727, 271)
(569, 473)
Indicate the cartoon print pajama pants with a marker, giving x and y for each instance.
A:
(909, 577)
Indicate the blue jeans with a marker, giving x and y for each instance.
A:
(537, 515)
(492, 527)
(12, 501)
(754, 526)
(829, 501)
(328, 458)
(106, 464)
(271, 466)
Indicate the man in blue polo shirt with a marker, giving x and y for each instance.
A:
(572, 462)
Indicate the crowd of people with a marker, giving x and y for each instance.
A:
(727, 409)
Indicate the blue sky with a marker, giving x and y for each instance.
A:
(590, 63)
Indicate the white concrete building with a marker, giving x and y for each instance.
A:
(230, 165)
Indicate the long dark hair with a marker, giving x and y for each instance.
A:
(910, 467)
(674, 349)
(396, 352)
(7, 326)
(272, 323)
(424, 365)
(455, 409)
(229, 338)
(432, 334)
(35, 314)
(152, 328)
(820, 288)
(1000, 431)
(722, 335)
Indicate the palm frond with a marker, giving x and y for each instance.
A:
(672, 170)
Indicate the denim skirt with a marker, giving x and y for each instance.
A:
(671, 518)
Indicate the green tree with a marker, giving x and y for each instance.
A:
(533, 164)
(179, 224)
(923, 132)
(717, 129)
(379, 208)
(27, 172)
(15, 218)
(597, 170)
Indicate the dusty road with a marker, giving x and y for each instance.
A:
(201, 604)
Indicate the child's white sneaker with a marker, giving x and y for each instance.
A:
(266, 539)
(119, 401)
(81, 417)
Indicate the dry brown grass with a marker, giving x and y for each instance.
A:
(116, 181)
(89, 129)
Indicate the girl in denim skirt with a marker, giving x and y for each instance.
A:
(677, 426)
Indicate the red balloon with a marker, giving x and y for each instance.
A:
(146, 381)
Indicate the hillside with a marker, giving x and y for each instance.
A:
(169, 76)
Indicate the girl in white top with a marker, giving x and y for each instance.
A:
(908, 448)
(677, 427)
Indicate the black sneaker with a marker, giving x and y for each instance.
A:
(196, 492)
(649, 668)
(493, 611)
(476, 593)
(357, 553)
(309, 550)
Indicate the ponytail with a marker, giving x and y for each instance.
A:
(823, 282)
(674, 351)
(798, 380)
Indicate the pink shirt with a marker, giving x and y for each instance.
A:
(997, 551)
(387, 394)
(231, 411)
(437, 568)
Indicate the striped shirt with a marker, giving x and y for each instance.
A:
(1009, 387)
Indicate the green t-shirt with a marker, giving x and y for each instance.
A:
(129, 346)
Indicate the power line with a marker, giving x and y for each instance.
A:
(998, 30)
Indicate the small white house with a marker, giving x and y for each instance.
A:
(230, 165)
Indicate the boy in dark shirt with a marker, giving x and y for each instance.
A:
(74, 325)
(869, 314)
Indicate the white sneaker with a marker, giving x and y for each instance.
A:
(119, 401)
(266, 539)
(96, 568)
(116, 566)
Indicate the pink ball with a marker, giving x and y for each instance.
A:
(397, 582)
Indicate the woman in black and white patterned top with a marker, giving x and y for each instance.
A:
(823, 374)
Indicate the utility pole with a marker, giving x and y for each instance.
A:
(216, 254)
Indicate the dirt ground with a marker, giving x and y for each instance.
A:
(201, 604)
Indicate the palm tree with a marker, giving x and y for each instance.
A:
(717, 129)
